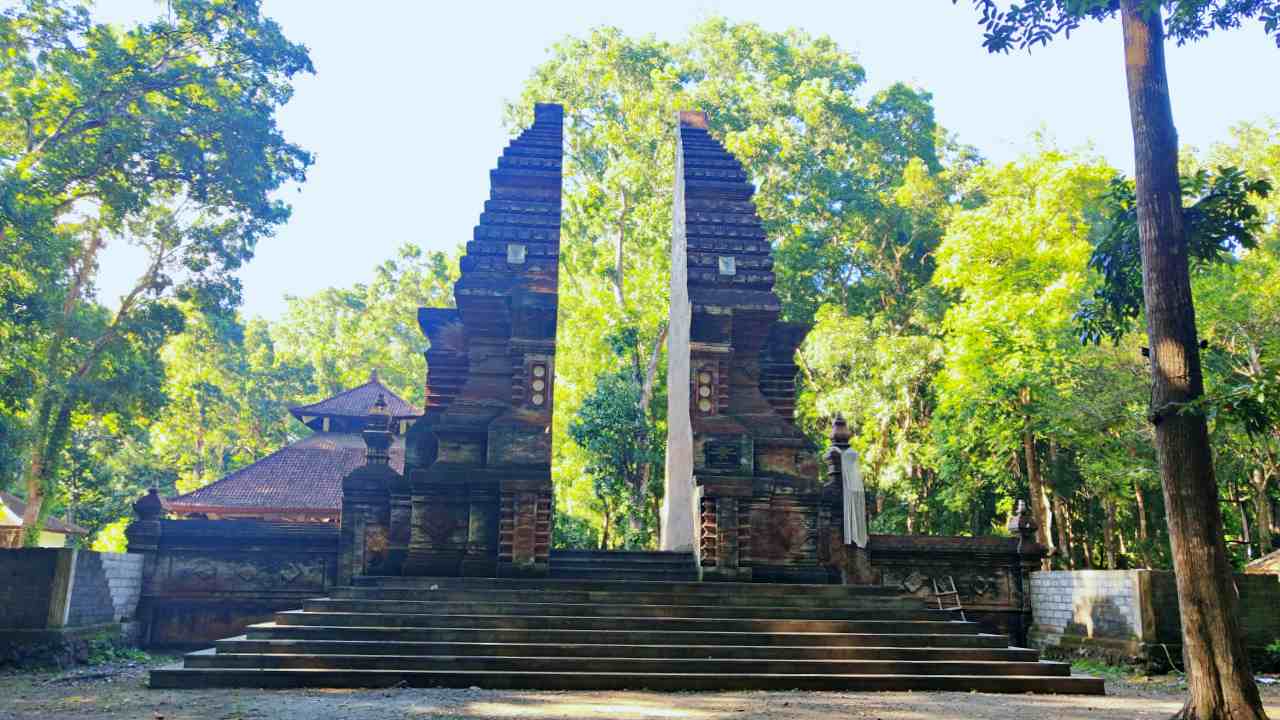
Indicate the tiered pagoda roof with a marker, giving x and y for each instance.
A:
(304, 480)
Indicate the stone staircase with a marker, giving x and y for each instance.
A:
(594, 634)
(622, 565)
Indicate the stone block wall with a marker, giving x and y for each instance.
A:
(124, 579)
(90, 602)
(55, 601)
(1132, 615)
(46, 588)
(26, 586)
(1101, 606)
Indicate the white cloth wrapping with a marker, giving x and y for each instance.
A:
(855, 499)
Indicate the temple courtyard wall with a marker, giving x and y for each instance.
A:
(1132, 615)
(202, 580)
(54, 601)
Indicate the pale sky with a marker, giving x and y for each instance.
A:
(404, 111)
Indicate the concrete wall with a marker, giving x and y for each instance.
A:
(124, 580)
(54, 602)
(26, 587)
(47, 588)
(1101, 606)
(1133, 614)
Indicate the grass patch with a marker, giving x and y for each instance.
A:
(1102, 669)
(105, 651)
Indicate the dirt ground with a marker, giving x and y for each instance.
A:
(119, 692)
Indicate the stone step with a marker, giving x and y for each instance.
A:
(243, 644)
(558, 573)
(721, 589)
(623, 554)
(788, 666)
(628, 559)
(273, 631)
(626, 598)
(479, 607)
(673, 624)
(179, 677)
(630, 565)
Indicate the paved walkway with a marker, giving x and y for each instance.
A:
(119, 693)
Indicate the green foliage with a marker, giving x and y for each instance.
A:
(162, 136)
(1220, 216)
(623, 446)
(881, 381)
(853, 190)
(1036, 22)
(108, 650)
(1102, 669)
(341, 334)
(574, 533)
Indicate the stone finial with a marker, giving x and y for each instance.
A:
(840, 433)
(377, 433)
(693, 119)
(149, 506)
(373, 376)
(839, 442)
(548, 111)
(1021, 523)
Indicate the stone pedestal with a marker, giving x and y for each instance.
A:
(365, 534)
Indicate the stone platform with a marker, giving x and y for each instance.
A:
(597, 634)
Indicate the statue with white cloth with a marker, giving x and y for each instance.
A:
(843, 468)
(854, 495)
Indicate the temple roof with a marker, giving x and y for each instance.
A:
(17, 507)
(1267, 564)
(302, 478)
(355, 403)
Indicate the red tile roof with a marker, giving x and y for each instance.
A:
(355, 403)
(1268, 564)
(305, 477)
(51, 523)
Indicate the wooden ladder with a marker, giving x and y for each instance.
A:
(947, 589)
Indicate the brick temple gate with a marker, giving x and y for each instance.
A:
(444, 575)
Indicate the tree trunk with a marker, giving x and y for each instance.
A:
(42, 469)
(1262, 508)
(1144, 546)
(1109, 535)
(1064, 532)
(1219, 681)
(1039, 500)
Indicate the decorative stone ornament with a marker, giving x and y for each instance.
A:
(538, 378)
(705, 391)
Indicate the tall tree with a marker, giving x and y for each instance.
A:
(162, 135)
(342, 334)
(1018, 266)
(1220, 683)
(229, 392)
